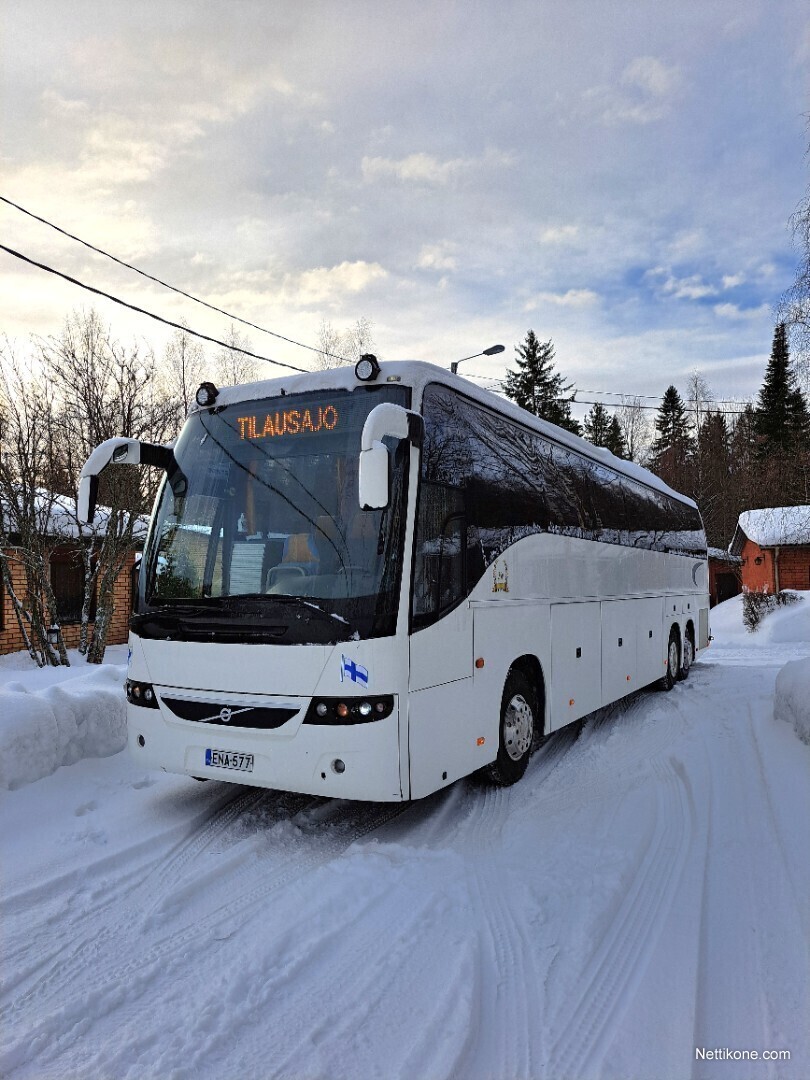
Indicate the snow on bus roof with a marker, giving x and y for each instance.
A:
(417, 374)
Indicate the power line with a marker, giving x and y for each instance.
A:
(166, 285)
(499, 385)
(149, 314)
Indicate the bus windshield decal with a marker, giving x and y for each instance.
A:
(289, 422)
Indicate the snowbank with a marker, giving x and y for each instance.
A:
(791, 700)
(41, 729)
(787, 624)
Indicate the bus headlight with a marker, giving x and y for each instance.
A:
(349, 710)
(141, 693)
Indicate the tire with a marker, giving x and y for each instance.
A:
(516, 731)
(687, 656)
(673, 662)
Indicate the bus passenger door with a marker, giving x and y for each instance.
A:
(441, 658)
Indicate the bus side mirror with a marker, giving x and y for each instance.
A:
(373, 477)
(120, 451)
(385, 419)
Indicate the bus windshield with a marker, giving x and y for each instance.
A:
(263, 539)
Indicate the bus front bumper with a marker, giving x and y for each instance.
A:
(352, 761)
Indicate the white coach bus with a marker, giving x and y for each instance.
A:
(368, 583)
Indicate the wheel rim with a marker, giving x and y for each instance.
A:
(518, 727)
(687, 654)
(673, 657)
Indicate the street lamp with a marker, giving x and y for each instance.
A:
(491, 351)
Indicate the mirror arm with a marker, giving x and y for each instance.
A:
(122, 451)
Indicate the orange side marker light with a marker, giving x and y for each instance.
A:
(480, 742)
(571, 701)
(479, 663)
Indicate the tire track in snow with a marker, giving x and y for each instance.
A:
(58, 986)
(750, 977)
(42, 942)
(506, 976)
(590, 1012)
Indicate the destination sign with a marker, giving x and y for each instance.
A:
(288, 422)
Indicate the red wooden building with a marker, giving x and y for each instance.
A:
(774, 545)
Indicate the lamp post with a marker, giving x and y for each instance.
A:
(491, 351)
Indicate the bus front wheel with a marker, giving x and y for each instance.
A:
(517, 727)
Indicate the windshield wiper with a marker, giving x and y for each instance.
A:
(308, 603)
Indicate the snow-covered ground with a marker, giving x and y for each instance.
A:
(641, 895)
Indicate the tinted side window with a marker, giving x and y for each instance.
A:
(514, 482)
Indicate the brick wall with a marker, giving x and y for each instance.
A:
(11, 638)
(794, 567)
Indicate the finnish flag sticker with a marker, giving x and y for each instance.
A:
(353, 672)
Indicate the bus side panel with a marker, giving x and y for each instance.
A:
(650, 646)
(502, 633)
(619, 663)
(576, 661)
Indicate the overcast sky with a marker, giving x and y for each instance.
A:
(616, 175)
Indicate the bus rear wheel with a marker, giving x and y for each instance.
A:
(673, 662)
(517, 728)
(688, 655)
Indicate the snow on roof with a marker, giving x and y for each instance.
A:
(772, 526)
(57, 516)
(418, 374)
(722, 555)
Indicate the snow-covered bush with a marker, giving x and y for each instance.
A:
(792, 697)
(756, 605)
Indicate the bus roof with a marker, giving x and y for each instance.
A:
(417, 374)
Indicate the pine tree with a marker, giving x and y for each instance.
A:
(615, 439)
(671, 452)
(537, 387)
(712, 489)
(602, 429)
(781, 417)
(597, 423)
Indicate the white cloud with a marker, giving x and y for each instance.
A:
(646, 89)
(437, 257)
(684, 288)
(652, 77)
(573, 298)
(731, 281)
(326, 284)
(424, 168)
(559, 234)
(733, 311)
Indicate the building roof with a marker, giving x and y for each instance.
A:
(773, 526)
(723, 556)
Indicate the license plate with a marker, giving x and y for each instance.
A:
(229, 759)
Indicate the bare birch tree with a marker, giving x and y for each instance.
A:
(335, 349)
(30, 522)
(234, 367)
(635, 428)
(105, 389)
(184, 365)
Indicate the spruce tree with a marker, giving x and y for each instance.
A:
(781, 416)
(537, 387)
(615, 439)
(597, 423)
(602, 429)
(671, 452)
